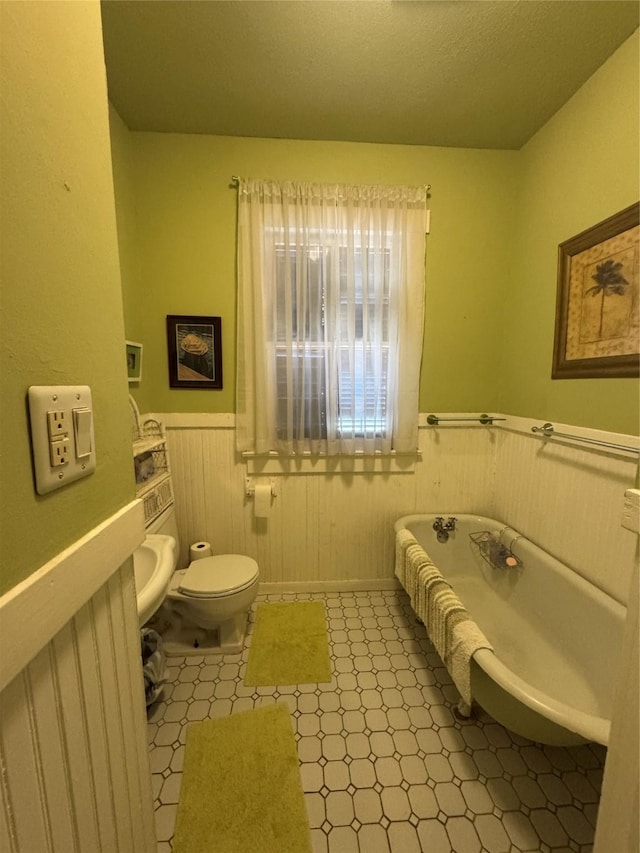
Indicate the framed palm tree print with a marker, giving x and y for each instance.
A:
(597, 330)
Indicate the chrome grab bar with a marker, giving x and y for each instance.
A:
(548, 431)
(434, 420)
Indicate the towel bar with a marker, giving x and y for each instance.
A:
(548, 431)
(434, 420)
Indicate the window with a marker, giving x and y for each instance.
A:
(331, 292)
(304, 364)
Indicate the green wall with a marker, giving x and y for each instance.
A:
(186, 242)
(125, 202)
(497, 219)
(579, 169)
(61, 302)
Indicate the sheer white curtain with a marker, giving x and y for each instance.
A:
(330, 317)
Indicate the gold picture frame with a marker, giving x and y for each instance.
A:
(597, 331)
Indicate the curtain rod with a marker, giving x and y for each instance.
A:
(236, 180)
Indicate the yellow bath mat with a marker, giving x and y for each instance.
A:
(289, 645)
(241, 790)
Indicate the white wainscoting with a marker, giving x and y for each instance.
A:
(322, 527)
(338, 528)
(568, 498)
(73, 748)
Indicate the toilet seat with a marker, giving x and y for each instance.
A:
(219, 576)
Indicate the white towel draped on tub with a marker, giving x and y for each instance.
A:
(451, 629)
(404, 539)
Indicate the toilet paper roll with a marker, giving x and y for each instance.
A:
(262, 500)
(199, 550)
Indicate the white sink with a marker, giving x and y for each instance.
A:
(153, 564)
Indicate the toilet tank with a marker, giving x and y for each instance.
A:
(166, 524)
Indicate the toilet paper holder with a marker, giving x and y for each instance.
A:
(250, 486)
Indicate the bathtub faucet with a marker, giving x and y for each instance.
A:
(443, 527)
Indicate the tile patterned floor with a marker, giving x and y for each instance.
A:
(385, 765)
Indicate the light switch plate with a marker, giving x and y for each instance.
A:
(54, 426)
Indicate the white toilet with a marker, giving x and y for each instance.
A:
(208, 603)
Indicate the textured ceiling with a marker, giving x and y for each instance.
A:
(484, 73)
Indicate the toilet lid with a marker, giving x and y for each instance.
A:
(220, 575)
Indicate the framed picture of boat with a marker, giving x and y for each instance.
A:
(597, 331)
(194, 345)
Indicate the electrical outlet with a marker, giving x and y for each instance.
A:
(57, 423)
(59, 452)
(62, 439)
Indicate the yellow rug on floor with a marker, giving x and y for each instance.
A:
(289, 645)
(241, 790)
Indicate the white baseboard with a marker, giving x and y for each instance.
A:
(372, 585)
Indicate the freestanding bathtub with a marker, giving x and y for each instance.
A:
(556, 638)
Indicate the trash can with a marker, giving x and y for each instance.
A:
(153, 664)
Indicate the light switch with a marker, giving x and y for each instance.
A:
(61, 420)
(82, 428)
